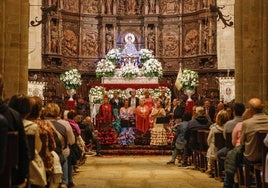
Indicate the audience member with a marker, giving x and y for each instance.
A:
(217, 127)
(52, 113)
(179, 136)
(3, 141)
(90, 135)
(48, 147)
(165, 101)
(20, 172)
(37, 173)
(200, 122)
(209, 110)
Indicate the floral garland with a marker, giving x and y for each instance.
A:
(96, 94)
(189, 79)
(152, 68)
(105, 68)
(71, 79)
(129, 71)
(145, 55)
(114, 55)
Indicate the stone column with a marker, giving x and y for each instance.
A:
(14, 17)
(251, 50)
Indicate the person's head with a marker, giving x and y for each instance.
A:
(36, 110)
(146, 93)
(199, 110)
(255, 105)
(187, 116)
(126, 102)
(222, 117)
(239, 109)
(133, 93)
(220, 106)
(207, 104)
(87, 120)
(105, 99)
(175, 102)
(163, 91)
(52, 110)
(116, 94)
(21, 104)
(158, 103)
(71, 114)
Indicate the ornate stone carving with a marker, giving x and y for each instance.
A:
(131, 6)
(169, 6)
(170, 44)
(54, 36)
(151, 5)
(90, 43)
(90, 6)
(109, 36)
(190, 6)
(191, 42)
(109, 7)
(69, 43)
(70, 5)
(151, 39)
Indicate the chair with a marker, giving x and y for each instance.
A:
(11, 159)
(219, 144)
(202, 136)
(31, 144)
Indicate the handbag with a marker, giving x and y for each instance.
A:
(37, 172)
(75, 153)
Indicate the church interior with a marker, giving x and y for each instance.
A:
(224, 42)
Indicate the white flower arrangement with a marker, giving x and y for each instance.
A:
(155, 93)
(114, 55)
(189, 79)
(96, 94)
(129, 71)
(71, 79)
(105, 68)
(145, 55)
(152, 68)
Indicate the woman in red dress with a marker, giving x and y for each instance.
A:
(142, 117)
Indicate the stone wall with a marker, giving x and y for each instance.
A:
(251, 49)
(14, 45)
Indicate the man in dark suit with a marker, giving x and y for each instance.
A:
(209, 110)
(133, 101)
(116, 102)
(177, 110)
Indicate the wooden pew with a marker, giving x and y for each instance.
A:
(202, 136)
(11, 159)
(259, 169)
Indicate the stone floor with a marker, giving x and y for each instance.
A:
(139, 172)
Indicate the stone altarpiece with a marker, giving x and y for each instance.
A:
(81, 32)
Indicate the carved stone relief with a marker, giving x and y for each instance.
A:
(189, 6)
(54, 36)
(90, 6)
(69, 43)
(191, 42)
(151, 39)
(90, 43)
(170, 44)
(169, 6)
(109, 37)
(70, 5)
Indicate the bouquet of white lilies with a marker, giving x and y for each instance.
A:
(71, 79)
